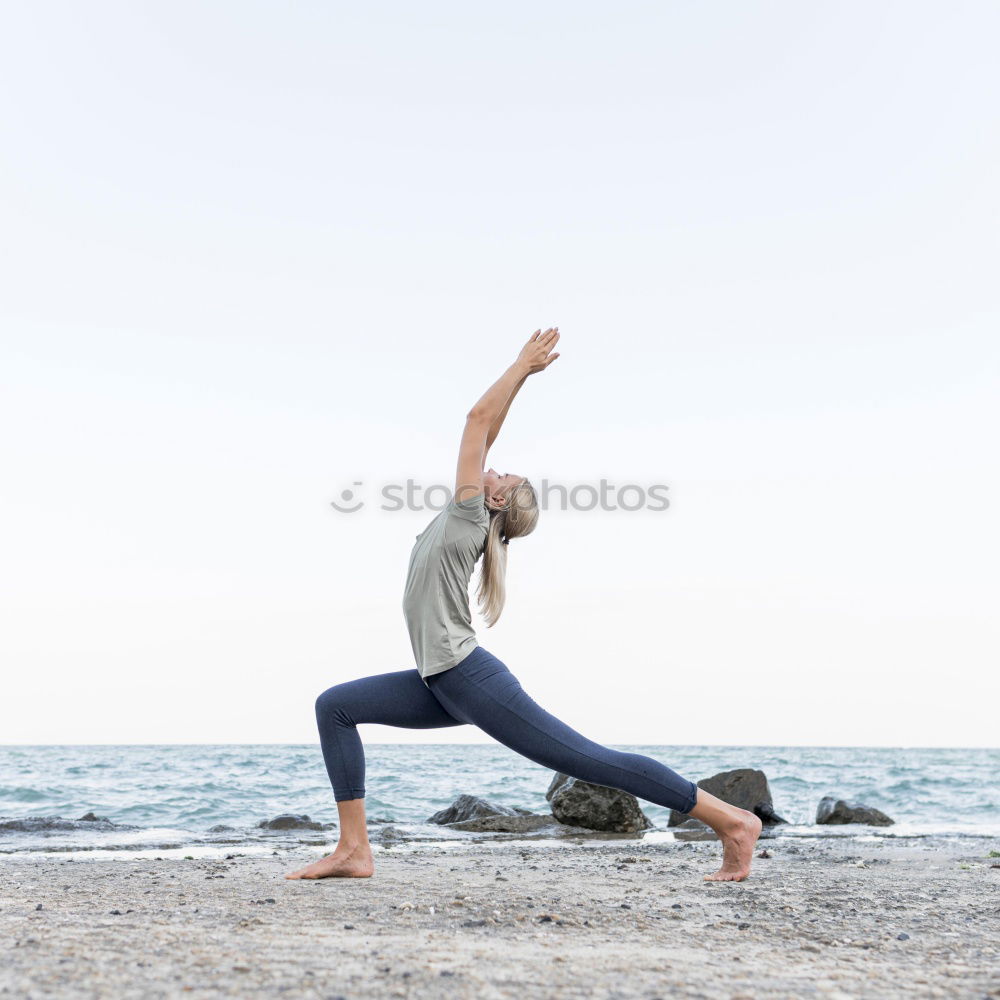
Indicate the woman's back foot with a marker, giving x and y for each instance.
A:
(341, 864)
(737, 849)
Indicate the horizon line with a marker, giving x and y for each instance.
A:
(759, 746)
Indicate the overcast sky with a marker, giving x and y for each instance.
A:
(255, 254)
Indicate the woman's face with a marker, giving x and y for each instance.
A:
(499, 484)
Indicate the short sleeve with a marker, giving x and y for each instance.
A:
(473, 509)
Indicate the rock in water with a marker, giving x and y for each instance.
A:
(835, 811)
(529, 823)
(467, 807)
(595, 807)
(744, 788)
(289, 821)
(36, 824)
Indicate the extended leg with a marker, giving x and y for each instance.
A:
(399, 698)
(490, 696)
(483, 691)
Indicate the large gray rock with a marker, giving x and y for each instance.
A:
(595, 807)
(744, 788)
(469, 807)
(836, 811)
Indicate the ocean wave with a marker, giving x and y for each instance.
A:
(140, 790)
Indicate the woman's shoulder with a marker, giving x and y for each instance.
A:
(471, 509)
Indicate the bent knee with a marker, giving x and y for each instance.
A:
(331, 703)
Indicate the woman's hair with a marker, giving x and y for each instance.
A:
(515, 519)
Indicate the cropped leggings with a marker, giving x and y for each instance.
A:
(480, 691)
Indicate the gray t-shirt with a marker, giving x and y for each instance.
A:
(436, 596)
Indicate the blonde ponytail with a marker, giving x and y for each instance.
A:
(515, 519)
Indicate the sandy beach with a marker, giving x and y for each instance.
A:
(614, 919)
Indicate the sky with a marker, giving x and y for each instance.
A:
(257, 254)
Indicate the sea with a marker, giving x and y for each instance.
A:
(199, 801)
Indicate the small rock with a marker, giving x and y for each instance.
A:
(903, 936)
(833, 811)
(289, 821)
(467, 807)
(521, 823)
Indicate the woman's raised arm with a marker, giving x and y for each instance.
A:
(483, 421)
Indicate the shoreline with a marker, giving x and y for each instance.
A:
(493, 919)
(166, 843)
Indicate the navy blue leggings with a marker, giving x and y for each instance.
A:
(480, 691)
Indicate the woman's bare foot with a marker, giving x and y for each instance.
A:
(738, 843)
(354, 862)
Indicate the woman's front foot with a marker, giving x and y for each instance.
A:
(738, 842)
(356, 862)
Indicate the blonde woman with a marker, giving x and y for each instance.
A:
(457, 682)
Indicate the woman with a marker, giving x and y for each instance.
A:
(456, 681)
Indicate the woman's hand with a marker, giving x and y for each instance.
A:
(536, 355)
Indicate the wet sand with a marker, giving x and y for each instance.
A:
(620, 919)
